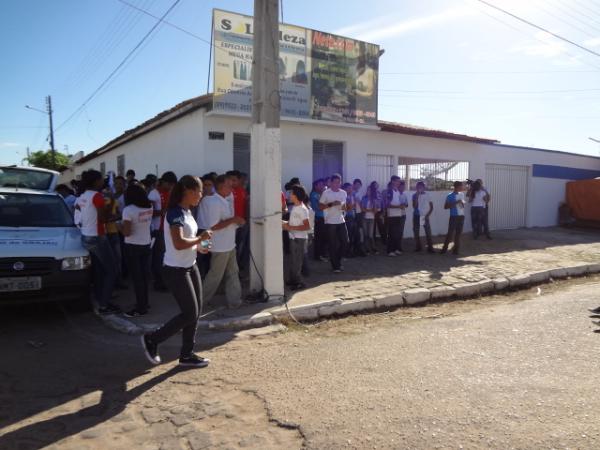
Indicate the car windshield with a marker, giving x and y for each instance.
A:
(32, 210)
(27, 179)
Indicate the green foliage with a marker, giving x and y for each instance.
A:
(44, 159)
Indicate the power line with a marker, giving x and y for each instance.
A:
(584, 6)
(161, 19)
(560, 19)
(121, 64)
(545, 30)
(537, 38)
(566, 12)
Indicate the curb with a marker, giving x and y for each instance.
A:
(409, 297)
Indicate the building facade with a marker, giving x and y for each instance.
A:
(527, 184)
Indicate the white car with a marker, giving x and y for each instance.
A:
(41, 256)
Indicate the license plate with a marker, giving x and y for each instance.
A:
(20, 284)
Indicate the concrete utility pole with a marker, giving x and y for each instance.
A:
(51, 135)
(52, 149)
(265, 153)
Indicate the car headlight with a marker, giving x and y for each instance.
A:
(75, 263)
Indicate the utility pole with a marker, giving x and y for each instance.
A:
(51, 135)
(265, 153)
(52, 149)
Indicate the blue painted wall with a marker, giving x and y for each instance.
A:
(563, 173)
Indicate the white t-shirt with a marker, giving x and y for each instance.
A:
(369, 205)
(154, 197)
(140, 219)
(423, 201)
(231, 201)
(334, 215)
(478, 200)
(179, 217)
(297, 217)
(398, 198)
(86, 213)
(357, 198)
(216, 209)
(202, 213)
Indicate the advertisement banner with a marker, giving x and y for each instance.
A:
(322, 76)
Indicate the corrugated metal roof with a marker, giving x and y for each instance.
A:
(202, 101)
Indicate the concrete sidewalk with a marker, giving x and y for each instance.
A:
(513, 259)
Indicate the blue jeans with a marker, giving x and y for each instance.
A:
(104, 273)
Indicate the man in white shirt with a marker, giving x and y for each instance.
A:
(333, 204)
(219, 217)
(396, 204)
(422, 207)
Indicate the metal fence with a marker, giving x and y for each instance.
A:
(438, 176)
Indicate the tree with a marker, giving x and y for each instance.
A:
(43, 159)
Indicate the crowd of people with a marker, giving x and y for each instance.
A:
(190, 235)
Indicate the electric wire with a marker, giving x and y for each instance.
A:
(121, 64)
(538, 27)
(566, 12)
(518, 30)
(564, 21)
(585, 6)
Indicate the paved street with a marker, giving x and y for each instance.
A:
(517, 371)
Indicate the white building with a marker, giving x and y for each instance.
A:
(527, 184)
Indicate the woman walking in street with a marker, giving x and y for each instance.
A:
(135, 227)
(181, 274)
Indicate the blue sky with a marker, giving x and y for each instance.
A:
(455, 65)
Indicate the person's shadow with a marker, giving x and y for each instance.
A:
(114, 398)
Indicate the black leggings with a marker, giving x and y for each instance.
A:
(186, 287)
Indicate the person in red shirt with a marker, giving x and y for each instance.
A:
(240, 209)
(91, 214)
(165, 186)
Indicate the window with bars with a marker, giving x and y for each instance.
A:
(437, 175)
(241, 152)
(121, 165)
(328, 158)
(380, 168)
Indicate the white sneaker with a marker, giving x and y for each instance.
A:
(398, 252)
(392, 254)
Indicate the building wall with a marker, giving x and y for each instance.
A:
(545, 194)
(183, 146)
(176, 146)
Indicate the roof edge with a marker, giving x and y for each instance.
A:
(161, 119)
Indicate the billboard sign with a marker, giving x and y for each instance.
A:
(322, 76)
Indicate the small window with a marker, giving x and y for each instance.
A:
(216, 136)
(121, 165)
(103, 168)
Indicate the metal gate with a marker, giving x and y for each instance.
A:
(328, 158)
(508, 189)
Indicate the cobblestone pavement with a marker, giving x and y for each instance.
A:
(499, 372)
(509, 253)
(88, 387)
